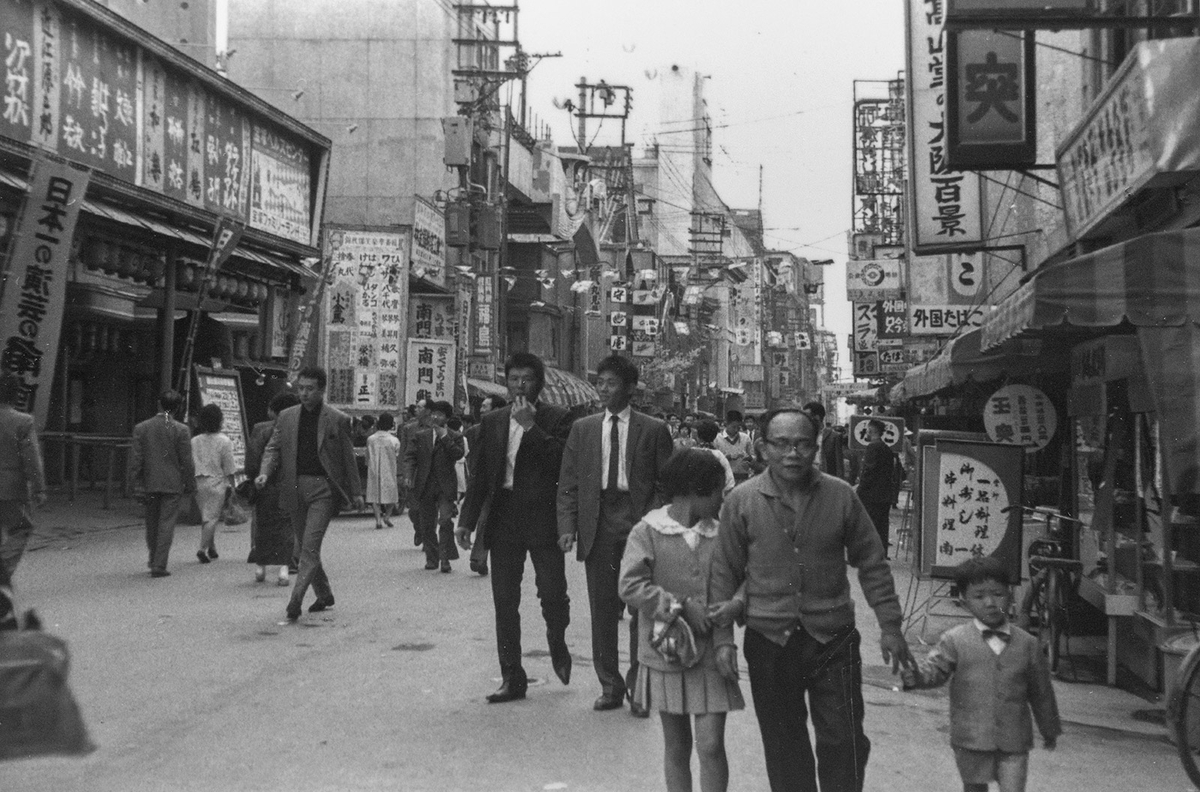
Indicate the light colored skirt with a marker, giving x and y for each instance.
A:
(700, 690)
(210, 497)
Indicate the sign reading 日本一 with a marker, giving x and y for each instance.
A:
(35, 290)
(363, 315)
(946, 204)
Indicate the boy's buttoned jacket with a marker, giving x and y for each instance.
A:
(992, 695)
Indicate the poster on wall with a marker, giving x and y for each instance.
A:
(970, 505)
(364, 316)
(429, 242)
(430, 374)
(223, 387)
(279, 186)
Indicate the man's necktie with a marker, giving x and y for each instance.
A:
(614, 454)
(1003, 636)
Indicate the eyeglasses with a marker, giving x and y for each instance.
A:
(784, 446)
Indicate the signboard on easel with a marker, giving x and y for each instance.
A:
(970, 505)
(223, 387)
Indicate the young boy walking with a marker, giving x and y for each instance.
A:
(998, 675)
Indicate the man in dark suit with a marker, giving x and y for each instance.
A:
(489, 403)
(312, 451)
(608, 481)
(877, 480)
(22, 486)
(162, 474)
(512, 498)
(418, 419)
(829, 443)
(433, 485)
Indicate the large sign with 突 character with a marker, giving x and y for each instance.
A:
(946, 209)
(990, 109)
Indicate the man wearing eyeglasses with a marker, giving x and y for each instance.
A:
(788, 536)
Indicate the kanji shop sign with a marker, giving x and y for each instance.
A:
(430, 375)
(364, 316)
(35, 287)
(1139, 133)
(873, 279)
(946, 209)
(1020, 415)
(990, 108)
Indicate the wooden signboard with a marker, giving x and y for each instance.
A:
(970, 505)
(223, 387)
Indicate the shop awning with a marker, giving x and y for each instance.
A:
(1145, 281)
(567, 390)
(484, 388)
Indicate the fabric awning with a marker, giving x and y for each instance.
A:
(1145, 281)
(567, 390)
(484, 388)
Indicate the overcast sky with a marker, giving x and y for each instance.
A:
(780, 93)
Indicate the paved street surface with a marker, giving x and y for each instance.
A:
(193, 682)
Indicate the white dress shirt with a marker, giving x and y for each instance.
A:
(515, 433)
(994, 643)
(606, 448)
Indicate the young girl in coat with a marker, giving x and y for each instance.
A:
(664, 574)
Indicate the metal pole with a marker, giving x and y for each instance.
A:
(582, 112)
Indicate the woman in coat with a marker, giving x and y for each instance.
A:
(271, 538)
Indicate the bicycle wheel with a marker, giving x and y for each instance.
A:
(1183, 712)
(1056, 613)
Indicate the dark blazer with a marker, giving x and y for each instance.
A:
(472, 436)
(160, 457)
(647, 450)
(832, 459)
(420, 461)
(335, 448)
(535, 475)
(877, 478)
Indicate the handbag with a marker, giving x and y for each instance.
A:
(38, 714)
(672, 637)
(232, 512)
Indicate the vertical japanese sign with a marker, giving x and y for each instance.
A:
(363, 314)
(280, 189)
(429, 242)
(35, 287)
(226, 151)
(946, 209)
(152, 170)
(485, 301)
(19, 70)
(430, 374)
(970, 504)
(47, 76)
(305, 317)
(990, 108)
(463, 298)
(431, 316)
(618, 317)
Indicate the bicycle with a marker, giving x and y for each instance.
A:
(1052, 573)
(1183, 713)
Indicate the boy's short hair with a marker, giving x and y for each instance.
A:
(980, 570)
(443, 407)
(385, 422)
(707, 431)
(315, 373)
(733, 415)
(625, 369)
(692, 471)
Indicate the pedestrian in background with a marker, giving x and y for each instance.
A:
(706, 433)
(22, 488)
(830, 458)
(737, 447)
(788, 537)
(433, 485)
(272, 541)
(877, 480)
(998, 675)
(418, 419)
(665, 576)
(161, 473)
(212, 457)
(609, 480)
(455, 424)
(383, 455)
(312, 450)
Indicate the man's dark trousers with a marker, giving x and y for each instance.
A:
(508, 549)
(880, 512)
(603, 567)
(831, 674)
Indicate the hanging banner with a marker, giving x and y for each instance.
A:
(305, 319)
(430, 373)
(428, 243)
(946, 210)
(462, 335)
(35, 284)
(364, 315)
(484, 302)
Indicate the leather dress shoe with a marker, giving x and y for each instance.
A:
(560, 659)
(479, 568)
(431, 564)
(293, 612)
(157, 573)
(608, 701)
(445, 566)
(321, 604)
(508, 691)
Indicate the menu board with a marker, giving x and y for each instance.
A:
(224, 389)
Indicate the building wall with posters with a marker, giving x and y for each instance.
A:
(374, 76)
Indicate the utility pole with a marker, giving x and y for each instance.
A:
(594, 101)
